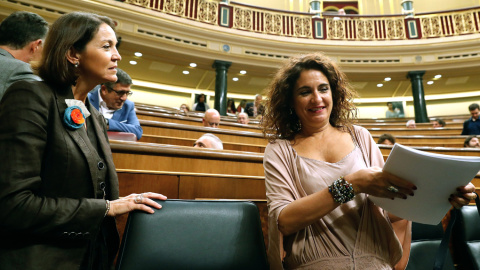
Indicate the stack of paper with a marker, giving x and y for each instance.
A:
(436, 177)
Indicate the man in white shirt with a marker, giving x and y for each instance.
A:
(111, 100)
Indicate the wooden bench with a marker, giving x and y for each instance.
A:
(402, 125)
(194, 132)
(194, 121)
(189, 142)
(416, 131)
(160, 157)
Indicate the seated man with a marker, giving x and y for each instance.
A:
(438, 123)
(110, 99)
(211, 118)
(411, 124)
(242, 118)
(208, 140)
(255, 108)
(387, 139)
(472, 125)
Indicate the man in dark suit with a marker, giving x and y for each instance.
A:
(256, 108)
(21, 41)
(111, 100)
(472, 125)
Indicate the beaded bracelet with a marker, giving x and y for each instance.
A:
(341, 191)
(108, 207)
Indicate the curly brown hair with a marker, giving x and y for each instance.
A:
(280, 120)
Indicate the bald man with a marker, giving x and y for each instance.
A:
(208, 140)
(242, 118)
(211, 118)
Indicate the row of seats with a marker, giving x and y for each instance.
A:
(227, 235)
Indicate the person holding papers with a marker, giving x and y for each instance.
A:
(319, 172)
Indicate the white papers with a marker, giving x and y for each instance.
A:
(436, 177)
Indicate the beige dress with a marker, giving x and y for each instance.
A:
(356, 235)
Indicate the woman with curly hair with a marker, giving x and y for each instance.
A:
(320, 170)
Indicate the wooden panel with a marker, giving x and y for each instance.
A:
(139, 182)
(439, 150)
(189, 142)
(420, 139)
(194, 121)
(156, 157)
(192, 187)
(403, 125)
(416, 131)
(194, 132)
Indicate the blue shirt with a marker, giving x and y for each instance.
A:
(471, 127)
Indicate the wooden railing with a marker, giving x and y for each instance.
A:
(331, 27)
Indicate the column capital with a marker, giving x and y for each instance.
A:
(219, 64)
(415, 74)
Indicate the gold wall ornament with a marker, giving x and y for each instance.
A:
(242, 18)
(302, 27)
(335, 29)
(208, 11)
(142, 3)
(365, 29)
(395, 29)
(431, 27)
(273, 23)
(176, 7)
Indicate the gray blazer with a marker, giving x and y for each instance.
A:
(52, 182)
(12, 70)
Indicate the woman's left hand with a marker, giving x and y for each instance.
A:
(463, 196)
(143, 202)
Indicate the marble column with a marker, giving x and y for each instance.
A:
(416, 77)
(221, 68)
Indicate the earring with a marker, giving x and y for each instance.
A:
(76, 64)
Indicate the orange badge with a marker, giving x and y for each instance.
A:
(77, 116)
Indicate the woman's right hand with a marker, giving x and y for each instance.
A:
(135, 202)
(378, 183)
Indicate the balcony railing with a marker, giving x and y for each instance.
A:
(328, 27)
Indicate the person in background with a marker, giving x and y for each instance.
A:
(241, 106)
(208, 140)
(471, 142)
(231, 106)
(255, 108)
(320, 170)
(472, 125)
(387, 139)
(58, 187)
(201, 105)
(243, 119)
(184, 108)
(211, 118)
(111, 100)
(438, 123)
(391, 112)
(22, 36)
(411, 124)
